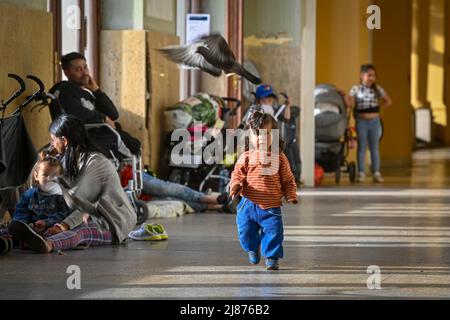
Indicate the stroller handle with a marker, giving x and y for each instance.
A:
(17, 93)
(238, 105)
(35, 95)
(38, 81)
(19, 80)
(237, 101)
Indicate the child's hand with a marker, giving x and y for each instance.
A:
(86, 218)
(57, 228)
(234, 191)
(40, 225)
(293, 201)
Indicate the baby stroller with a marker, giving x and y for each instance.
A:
(110, 140)
(332, 133)
(17, 153)
(196, 170)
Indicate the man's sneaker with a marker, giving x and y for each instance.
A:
(158, 228)
(361, 177)
(377, 177)
(22, 231)
(254, 257)
(145, 233)
(232, 204)
(222, 198)
(272, 264)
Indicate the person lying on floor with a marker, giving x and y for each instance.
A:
(81, 97)
(91, 177)
(43, 206)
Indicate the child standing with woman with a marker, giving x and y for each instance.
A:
(366, 99)
(262, 176)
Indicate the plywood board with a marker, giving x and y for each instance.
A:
(123, 79)
(27, 48)
(164, 80)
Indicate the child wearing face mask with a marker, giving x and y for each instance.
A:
(43, 206)
(265, 102)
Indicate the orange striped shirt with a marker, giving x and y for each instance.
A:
(265, 180)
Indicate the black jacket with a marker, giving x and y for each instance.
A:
(89, 107)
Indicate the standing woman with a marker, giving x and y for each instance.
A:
(366, 99)
(92, 177)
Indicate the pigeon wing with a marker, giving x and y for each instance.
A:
(188, 56)
(216, 51)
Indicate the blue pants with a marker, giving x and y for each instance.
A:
(165, 190)
(258, 227)
(369, 132)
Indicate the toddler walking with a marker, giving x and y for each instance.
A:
(262, 176)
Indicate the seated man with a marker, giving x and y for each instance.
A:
(80, 96)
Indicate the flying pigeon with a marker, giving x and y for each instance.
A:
(210, 54)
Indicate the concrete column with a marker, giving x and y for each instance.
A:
(308, 82)
(122, 15)
(420, 53)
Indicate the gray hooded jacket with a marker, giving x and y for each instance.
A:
(99, 183)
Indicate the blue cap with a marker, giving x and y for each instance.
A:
(264, 91)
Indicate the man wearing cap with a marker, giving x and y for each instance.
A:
(265, 100)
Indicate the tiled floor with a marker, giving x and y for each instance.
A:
(333, 240)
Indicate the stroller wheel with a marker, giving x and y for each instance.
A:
(142, 212)
(176, 176)
(337, 176)
(4, 246)
(352, 172)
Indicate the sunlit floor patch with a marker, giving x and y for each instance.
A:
(417, 193)
(366, 236)
(336, 282)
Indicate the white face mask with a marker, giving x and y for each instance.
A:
(51, 188)
(267, 108)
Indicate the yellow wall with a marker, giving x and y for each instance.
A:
(344, 43)
(24, 54)
(392, 57)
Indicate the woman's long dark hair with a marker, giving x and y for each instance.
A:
(365, 68)
(73, 130)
